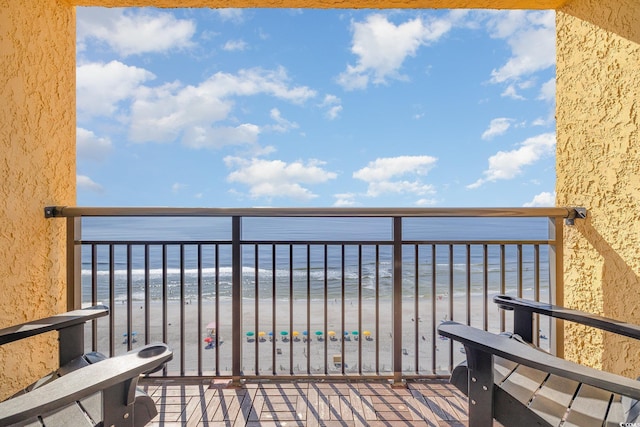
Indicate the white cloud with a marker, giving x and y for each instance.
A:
(383, 169)
(177, 187)
(131, 32)
(377, 188)
(333, 105)
(531, 37)
(275, 178)
(175, 111)
(235, 45)
(382, 175)
(548, 91)
(497, 127)
(230, 14)
(282, 125)
(382, 46)
(426, 202)
(511, 92)
(85, 183)
(544, 199)
(91, 147)
(216, 137)
(344, 200)
(100, 87)
(509, 164)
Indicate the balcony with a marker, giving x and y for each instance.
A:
(306, 403)
(298, 312)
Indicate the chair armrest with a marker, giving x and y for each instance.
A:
(520, 305)
(502, 346)
(53, 323)
(117, 371)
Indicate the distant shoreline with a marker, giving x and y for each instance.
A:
(293, 353)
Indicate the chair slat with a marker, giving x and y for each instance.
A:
(502, 368)
(71, 415)
(589, 408)
(523, 383)
(553, 398)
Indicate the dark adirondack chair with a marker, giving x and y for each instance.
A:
(507, 378)
(87, 389)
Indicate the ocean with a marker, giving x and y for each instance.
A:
(301, 257)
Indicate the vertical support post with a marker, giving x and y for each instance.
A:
(480, 387)
(523, 324)
(74, 264)
(236, 300)
(556, 284)
(397, 301)
(71, 343)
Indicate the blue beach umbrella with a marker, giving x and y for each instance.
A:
(305, 333)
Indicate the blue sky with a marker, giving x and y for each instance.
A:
(283, 107)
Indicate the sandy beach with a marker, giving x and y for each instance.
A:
(284, 349)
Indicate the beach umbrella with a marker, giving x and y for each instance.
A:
(319, 332)
(366, 333)
(249, 334)
(283, 333)
(355, 333)
(331, 333)
(270, 333)
(261, 334)
(295, 333)
(305, 333)
(346, 333)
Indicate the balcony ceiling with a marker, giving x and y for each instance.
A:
(427, 4)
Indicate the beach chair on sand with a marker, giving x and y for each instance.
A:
(507, 378)
(87, 389)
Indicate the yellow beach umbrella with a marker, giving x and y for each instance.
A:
(295, 333)
(332, 333)
(262, 333)
(366, 333)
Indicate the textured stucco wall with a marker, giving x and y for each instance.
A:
(598, 166)
(37, 167)
(356, 4)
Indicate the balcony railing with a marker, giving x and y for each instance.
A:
(307, 292)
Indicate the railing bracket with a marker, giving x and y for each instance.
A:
(575, 213)
(50, 211)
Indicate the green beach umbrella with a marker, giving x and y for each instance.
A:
(318, 332)
(249, 334)
(284, 333)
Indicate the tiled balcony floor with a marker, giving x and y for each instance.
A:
(309, 403)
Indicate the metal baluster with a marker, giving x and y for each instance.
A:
(257, 305)
(416, 309)
(434, 335)
(112, 301)
(503, 285)
(485, 287)
(199, 327)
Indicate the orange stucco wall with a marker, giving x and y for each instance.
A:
(37, 167)
(597, 167)
(337, 4)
